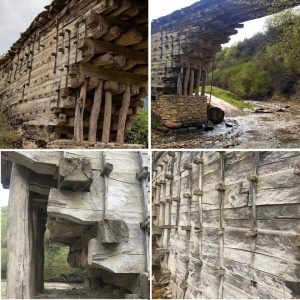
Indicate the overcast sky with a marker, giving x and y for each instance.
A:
(3, 196)
(15, 17)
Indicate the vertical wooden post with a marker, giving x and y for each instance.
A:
(203, 82)
(19, 236)
(123, 115)
(179, 82)
(186, 80)
(107, 117)
(198, 80)
(95, 112)
(78, 120)
(192, 82)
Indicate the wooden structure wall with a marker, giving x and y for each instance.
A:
(184, 43)
(227, 224)
(94, 202)
(79, 72)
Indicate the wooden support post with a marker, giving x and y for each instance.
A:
(19, 281)
(107, 117)
(192, 82)
(203, 82)
(123, 115)
(39, 226)
(186, 80)
(179, 83)
(95, 112)
(198, 80)
(78, 119)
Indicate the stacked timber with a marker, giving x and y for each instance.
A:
(185, 42)
(96, 203)
(229, 223)
(79, 73)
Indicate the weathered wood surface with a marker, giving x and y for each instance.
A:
(76, 44)
(245, 233)
(19, 280)
(100, 215)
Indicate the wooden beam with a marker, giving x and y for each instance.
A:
(79, 71)
(91, 47)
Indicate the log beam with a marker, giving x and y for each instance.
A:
(91, 47)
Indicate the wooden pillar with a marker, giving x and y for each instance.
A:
(203, 82)
(192, 82)
(123, 115)
(198, 80)
(39, 218)
(19, 281)
(95, 112)
(186, 80)
(179, 82)
(107, 117)
(79, 111)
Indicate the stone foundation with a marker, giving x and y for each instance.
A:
(181, 111)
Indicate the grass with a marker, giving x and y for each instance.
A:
(229, 98)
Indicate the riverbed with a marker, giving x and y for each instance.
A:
(272, 129)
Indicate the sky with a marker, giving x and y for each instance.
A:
(15, 17)
(4, 194)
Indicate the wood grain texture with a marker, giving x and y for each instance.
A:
(239, 258)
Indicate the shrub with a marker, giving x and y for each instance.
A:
(139, 132)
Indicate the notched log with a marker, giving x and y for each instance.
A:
(75, 174)
(113, 231)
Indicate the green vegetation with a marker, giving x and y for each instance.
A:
(56, 267)
(266, 65)
(8, 136)
(229, 98)
(139, 132)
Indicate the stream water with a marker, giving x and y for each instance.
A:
(252, 131)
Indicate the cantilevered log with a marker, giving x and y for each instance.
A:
(75, 174)
(113, 231)
(68, 205)
(79, 71)
(131, 37)
(91, 47)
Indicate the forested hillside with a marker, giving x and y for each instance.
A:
(266, 65)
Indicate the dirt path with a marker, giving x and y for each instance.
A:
(229, 109)
(279, 128)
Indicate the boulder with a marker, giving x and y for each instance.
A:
(216, 115)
